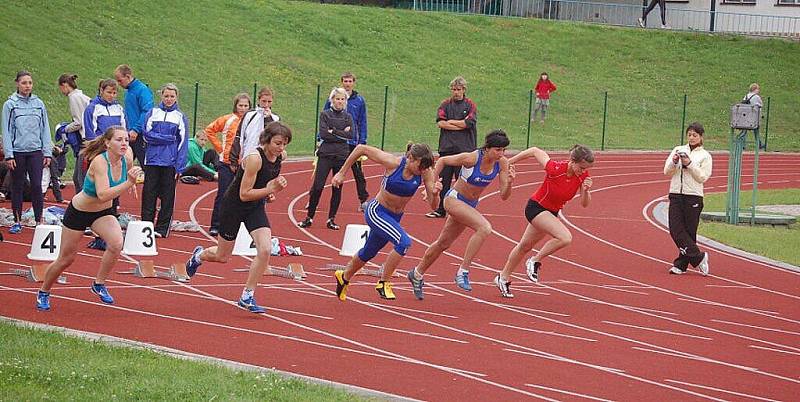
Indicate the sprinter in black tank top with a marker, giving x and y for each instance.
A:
(256, 182)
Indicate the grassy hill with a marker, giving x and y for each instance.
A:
(227, 46)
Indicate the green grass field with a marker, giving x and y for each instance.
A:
(43, 365)
(776, 243)
(293, 46)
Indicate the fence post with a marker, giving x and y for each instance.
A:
(316, 121)
(530, 116)
(196, 95)
(605, 113)
(713, 16)
(683, 119)
(766, 124)
(255, 92)
(385, 100)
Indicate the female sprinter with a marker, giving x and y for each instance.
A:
(256, 182)
(110, 173)
(403, 176)
(562, 180)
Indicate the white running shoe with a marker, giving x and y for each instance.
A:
(505, 287)
(676, 271)
(532, 269)
(641, 23)
(703, 266)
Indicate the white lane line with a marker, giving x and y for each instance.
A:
(757, 327)
(412, 310)
(541, 311)
(657, 330)
(775, 350)
(566, 360)
(602, 287)
(697, 358)
(636, 309)
(712, 303)
(524, 290)
(427, 335)
(543, 332)
(721, 390)
(731, 286)
(569, 393)
(308, 292)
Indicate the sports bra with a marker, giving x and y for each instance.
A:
(474, 176)
(88, 185)
(397, 185)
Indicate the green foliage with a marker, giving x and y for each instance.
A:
(37, 365)
(226, 46)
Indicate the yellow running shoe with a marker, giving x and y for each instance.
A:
(384, 289)
(341, 285)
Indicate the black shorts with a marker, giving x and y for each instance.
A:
(253, 218)
(79, 220)
(534, 208)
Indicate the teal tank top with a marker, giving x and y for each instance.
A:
(88, 185)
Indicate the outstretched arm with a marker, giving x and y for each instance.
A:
(541, 156)
(386, 159)
(462, 159)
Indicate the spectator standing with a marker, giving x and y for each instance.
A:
(662, 5)
(253, 123)
(544, 87)
(26, 144)
(457, 119)
(68, 85)
(103, 111)
(753, 97)
(357, 108)
(165, 134)
(138, 102)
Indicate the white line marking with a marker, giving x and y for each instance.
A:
(543, 332)
(416, 333)
(569, 393)
(657, 330)
(562, 359)
(721, 390)
(697, 358)
(774, 350)
(603, 287)
(712, 303)
(755, 326)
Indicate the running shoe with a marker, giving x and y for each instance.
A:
(250, 305)
(194, 261)
(435, 214)
(16, 228)
(532, 269)
(341, 285)
(43, 301)
(100, 290)
(332, 225)
(213, 232)
(676, 271)
(462, 280)
(306, 223)
(703, 266)
(384, 289)
(504, 286)
(416, 284)
(641, 23)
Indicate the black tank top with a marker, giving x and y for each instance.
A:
(269, 170)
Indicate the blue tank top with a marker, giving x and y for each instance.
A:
(88, 185)
(397, 185)
(473, 175)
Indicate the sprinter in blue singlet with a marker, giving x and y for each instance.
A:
(109, 157)
(478, 169)
(403, 176)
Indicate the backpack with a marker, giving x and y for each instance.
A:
(746, 100)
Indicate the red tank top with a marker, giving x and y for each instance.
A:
(557, 188)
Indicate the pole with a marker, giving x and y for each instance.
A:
(194, 117)
(316, 121)
(530, 116)
(255, 92)
(755, 178)
(766, 124)
(713, 16)
(683, 120)
(385, 100)
(605, 113)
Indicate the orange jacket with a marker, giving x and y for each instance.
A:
(227, 125)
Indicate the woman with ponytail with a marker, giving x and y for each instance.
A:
(110, 173)
(561, 181)
(403, 176)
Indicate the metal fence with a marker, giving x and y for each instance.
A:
(622, 13)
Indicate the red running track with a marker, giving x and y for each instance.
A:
(606, 323)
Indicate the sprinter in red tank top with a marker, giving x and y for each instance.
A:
(563, 179)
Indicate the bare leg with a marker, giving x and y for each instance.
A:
(551, 225)
(220, 253)
(468, 216)
(66, 255)
(109, 230)
(353, 267)
(390, 265)
(263, 239)
(449, 234)
(526, 243)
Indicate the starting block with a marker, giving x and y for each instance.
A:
(36, 273)
(292, 271)
(147, 269)
(377, 272)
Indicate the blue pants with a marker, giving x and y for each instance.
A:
(29, 165)
(384, 227)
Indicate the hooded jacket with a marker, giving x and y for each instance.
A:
(77, 105)
(138, 102)
(25, 126)
(100, 115)
(688, 180)
(165, 134)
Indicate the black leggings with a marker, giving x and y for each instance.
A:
(662, 4)
(325, 165)
(28, 164)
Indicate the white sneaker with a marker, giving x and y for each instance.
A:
(665, 26)
(641, 23)
(532, 269)
(703, 266)
(505, 287)
(676, 271)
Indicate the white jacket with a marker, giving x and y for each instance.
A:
(77, 105)
(252, 126)
(688, 180)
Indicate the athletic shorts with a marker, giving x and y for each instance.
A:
(80, 220)
(231, 218)
(534, 208)
(455, 194)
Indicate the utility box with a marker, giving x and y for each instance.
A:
(745, 117)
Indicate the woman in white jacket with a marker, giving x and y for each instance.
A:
(689, 167)
(77, 105)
